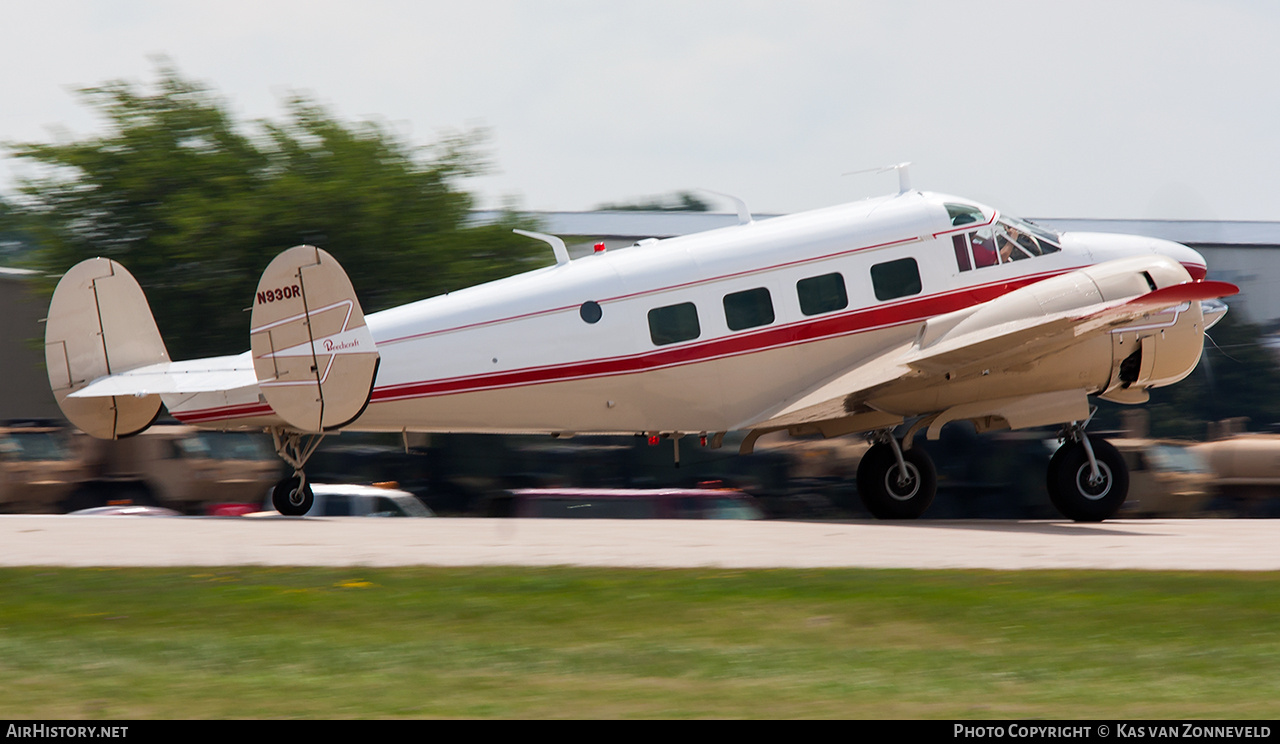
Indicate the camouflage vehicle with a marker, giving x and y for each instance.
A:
(1246, 470)
(176, 466)
(38, 467)
(1166, 478)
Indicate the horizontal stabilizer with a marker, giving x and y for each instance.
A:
(196, 376)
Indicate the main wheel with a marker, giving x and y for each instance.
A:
(1075, 492)
(885, 491)
(292, 497)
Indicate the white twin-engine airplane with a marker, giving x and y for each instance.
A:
(915, 309)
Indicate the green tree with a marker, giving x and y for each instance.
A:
(196, 204)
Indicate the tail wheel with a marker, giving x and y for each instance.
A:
(292, 497)
(1074, 490)
(888, 492)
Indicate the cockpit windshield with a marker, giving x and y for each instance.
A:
(1008, 239)
(1027, 238)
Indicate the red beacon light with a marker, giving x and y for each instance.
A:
(599, 247)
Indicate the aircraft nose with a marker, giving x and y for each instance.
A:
(1107, 246)
(1190, 259)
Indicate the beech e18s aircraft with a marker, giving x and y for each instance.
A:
(912, 310)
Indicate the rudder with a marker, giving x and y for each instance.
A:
(313, 355)
(100, 324)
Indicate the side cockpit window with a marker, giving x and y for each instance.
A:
(1007, 241)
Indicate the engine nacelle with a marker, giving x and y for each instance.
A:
(1160, 350)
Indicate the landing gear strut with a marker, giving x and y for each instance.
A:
(292, 496)
(896, 483)
(1087, 480)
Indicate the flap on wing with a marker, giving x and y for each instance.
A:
(829, 401)
(194, 376)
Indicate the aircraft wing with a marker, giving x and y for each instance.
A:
(939, 353)
(195, 376)
(1031, 339)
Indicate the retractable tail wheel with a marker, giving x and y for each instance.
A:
(292, 496)
(890, 493)
(1074, 489)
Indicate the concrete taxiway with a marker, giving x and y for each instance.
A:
(1205, 544)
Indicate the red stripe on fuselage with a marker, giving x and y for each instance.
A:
(821, 327)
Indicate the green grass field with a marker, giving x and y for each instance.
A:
(595, 643)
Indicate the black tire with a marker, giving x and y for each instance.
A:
(1069, 487)
(291, 497)
(880, 491)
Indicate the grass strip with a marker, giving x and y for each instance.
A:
(249, 642)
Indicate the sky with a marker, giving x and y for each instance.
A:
(1138, 110)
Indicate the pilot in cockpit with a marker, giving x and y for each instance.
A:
(1014, 245)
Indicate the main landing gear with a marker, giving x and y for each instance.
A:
(1088, 480)
(292, 496)
(893, 482)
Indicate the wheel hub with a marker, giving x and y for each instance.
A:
(902, 486)
(1092, 488)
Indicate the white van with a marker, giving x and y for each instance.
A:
(346, 500)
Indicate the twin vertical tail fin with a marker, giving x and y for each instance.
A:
(100, 324)
(314, 360)
(313, 355)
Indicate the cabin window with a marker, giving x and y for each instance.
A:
(822, 294)
(674, 323)
(896, 279)
(748, 309)
(590, 311)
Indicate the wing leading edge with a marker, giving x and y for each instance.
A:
(1014, 332)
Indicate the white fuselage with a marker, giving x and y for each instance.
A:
(520, 355)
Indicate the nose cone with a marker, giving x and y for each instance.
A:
(1110, 246)
(1190, 259)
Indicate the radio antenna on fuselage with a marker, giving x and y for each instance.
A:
(904, 175)
(557, 245)
(744, 214)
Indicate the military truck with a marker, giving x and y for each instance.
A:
(176, 466)
(1167, 478)
(1246, 470)
(39, 466)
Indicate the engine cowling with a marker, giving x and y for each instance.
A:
(1158, 351)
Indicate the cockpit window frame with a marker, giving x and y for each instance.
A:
(1003, 240)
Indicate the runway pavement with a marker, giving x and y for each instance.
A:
(1207, 544)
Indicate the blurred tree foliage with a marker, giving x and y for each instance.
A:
(196, 206)
(1237, 376)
